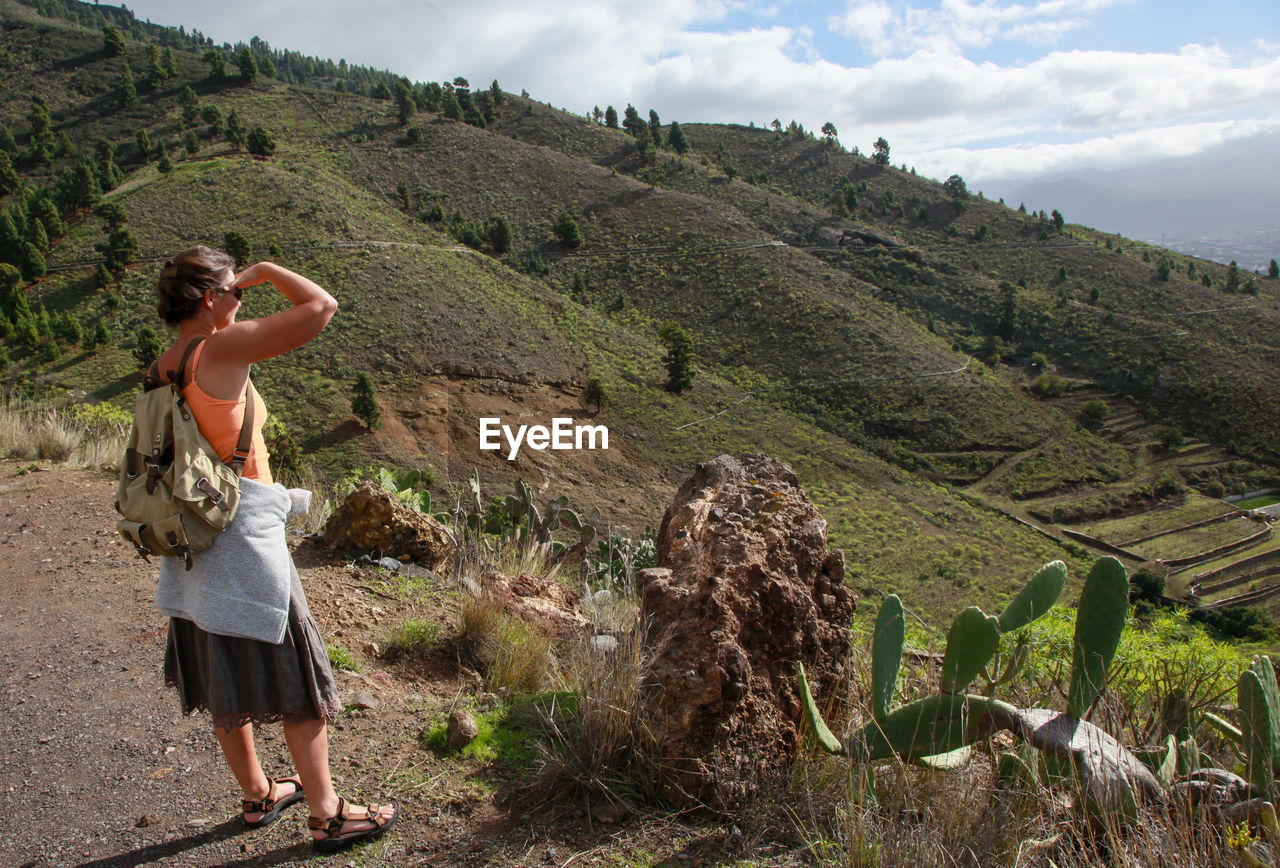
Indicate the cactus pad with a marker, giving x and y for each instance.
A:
(1035, 598)
(886, 655)
(1104, 605)
(972, 642)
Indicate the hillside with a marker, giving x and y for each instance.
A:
(851, 319)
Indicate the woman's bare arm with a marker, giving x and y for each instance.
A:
(257, 339)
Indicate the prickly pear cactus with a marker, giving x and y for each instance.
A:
(886, 655)
(1036, 597)
(1104, 605)
(971, 644)
(1259, 712)
(936, 725)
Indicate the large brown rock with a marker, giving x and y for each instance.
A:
(372, 520)
(744, 587)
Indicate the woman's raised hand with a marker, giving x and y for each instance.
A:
(254, 275)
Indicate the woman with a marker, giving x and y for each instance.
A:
(276, 670)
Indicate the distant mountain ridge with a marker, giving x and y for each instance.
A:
(1223, 203)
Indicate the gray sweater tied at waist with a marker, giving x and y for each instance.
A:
(239, 586)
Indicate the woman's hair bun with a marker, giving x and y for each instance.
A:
(185, 278)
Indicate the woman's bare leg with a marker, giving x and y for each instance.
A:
(308, 742)
(242, 756)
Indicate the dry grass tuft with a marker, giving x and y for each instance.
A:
(511, 653)
(602, 746)
(89, 435)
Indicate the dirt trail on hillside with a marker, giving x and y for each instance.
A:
(98, 767)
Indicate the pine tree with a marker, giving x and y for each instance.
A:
(148, 347)
(1233, 277)
(62, 145)
(9, 180)
(126, 90)
(679, 357)
(78, 187)
(676, 140)
(41, 131)
(190, 105)
(118, 251)
(7, 142)
(237, 247)
(112, 41)
(12, 301)
(364, 404)
(142, 141)
(156, 73)
(102, 277)
(108, 173)
(260, 143)
(165, 165)
(496, 94)
(191, 142)
(235, 131)
(450, 107)
(248, 66)
(655, 127)
(33, 264)
(217, 64)
(101, 334)
(39, 235)
(170, 63)
(880, 152)
(47, 212)
(10, 240)
(611, 117)
(566, 230)
(631, 120)
(1273, 270)
(499, 234)
(405, 105)
(113, 213)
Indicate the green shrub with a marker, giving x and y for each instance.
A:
(342, 658)
(414, 638)
(1048, 385)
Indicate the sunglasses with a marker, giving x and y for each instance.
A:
(238, 292)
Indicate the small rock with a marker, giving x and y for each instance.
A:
(364, 699)
(372, 649)
(195, 824)
(146, 820)
(608, 814)
(388, 564)
(603, 644)
(462, 729)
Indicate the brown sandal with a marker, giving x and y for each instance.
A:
(347, 811)
(270, 807)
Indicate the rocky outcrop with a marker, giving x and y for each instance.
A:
(745, 586)
(372, 520)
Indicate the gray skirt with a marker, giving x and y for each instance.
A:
(241, 681)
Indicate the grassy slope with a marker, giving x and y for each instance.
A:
(771, 320)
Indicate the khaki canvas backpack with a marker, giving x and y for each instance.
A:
(175, 494)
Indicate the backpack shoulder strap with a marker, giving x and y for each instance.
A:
(241, 453)
(175, 377)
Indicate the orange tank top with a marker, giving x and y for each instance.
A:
(220, 421)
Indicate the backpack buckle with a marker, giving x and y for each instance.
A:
(219, 499)
(153, 477)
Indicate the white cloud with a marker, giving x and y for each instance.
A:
(957, 24)
(1101, 152)
(931, 102)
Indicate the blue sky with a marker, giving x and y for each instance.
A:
(986, 88)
